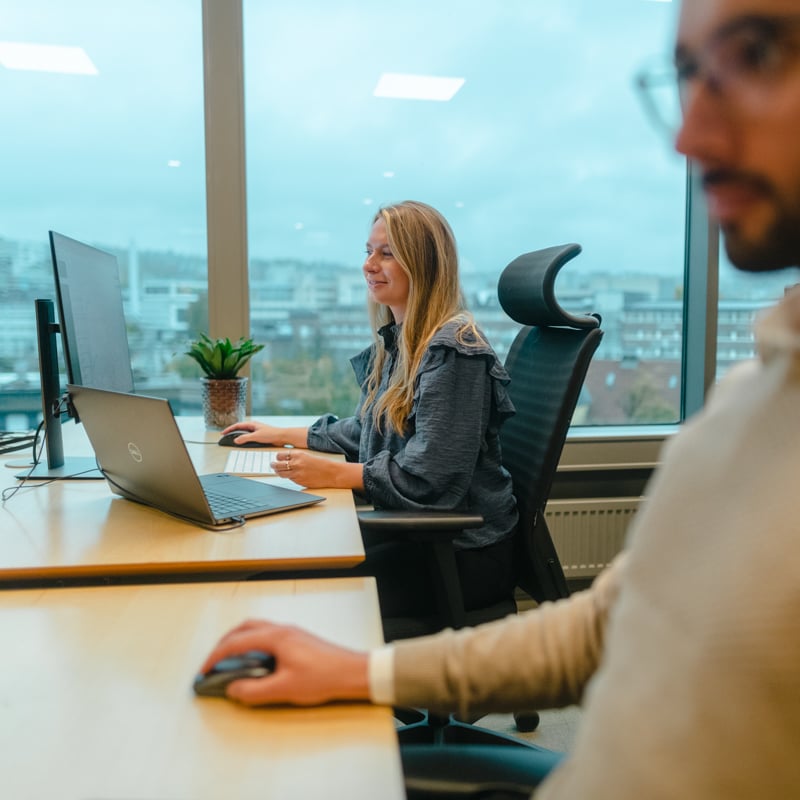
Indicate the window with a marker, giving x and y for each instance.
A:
(103, 141)
(544, 143)
(742, 297)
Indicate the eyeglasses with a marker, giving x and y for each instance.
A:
(740, 64)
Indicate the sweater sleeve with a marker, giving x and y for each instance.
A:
(542, 658)
(332, 435)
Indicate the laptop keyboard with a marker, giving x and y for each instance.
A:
(224, 505)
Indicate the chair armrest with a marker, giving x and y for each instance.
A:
(417, 521)
(436, 529)
(443, 520)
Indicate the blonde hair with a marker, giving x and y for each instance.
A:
(422, 242)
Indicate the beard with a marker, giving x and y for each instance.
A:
(778, 247)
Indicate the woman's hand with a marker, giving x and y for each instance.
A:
(268, 434)
(308, 670)
(318, 472)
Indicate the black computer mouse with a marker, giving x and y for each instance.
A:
(253, 664)
(228, 440)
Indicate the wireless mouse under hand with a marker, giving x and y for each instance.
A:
(253, 664)
(229, 440)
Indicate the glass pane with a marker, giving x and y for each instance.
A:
(742, 297)
(103, 142)
(543, 144)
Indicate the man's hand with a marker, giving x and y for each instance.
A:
(309, 670)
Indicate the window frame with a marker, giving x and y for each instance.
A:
(228, 287)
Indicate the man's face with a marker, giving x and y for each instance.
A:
(741, 103)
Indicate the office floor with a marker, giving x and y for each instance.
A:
(556, 729)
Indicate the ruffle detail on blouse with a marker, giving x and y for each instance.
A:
(446, 339)
(361, 363)
(443, 340)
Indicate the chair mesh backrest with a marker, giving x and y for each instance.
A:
(547, 363)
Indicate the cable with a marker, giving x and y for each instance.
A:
(10, 491)
(10, 442)
(236, 522)
(36, 456)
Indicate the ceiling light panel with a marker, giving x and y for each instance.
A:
(46, 58)
(417, 87)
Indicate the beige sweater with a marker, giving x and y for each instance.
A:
(686, 652)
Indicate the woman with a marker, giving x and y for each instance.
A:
(425, 434)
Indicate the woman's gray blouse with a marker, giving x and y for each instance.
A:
(448, 458)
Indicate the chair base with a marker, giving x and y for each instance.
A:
(460, 772)
(423, 727)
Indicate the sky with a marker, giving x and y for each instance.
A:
(545, 143)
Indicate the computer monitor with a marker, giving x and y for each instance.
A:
(94, 342)
(93, 333)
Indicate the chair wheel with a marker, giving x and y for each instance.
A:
(527, 721)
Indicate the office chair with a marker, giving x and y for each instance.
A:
(547, 364)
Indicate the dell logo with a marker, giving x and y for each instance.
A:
(136, 453)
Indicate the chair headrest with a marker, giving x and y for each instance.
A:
(526, 289)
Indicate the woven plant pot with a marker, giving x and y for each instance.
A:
(224, 401)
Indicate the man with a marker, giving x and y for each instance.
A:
(685, 652)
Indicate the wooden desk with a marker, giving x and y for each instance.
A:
(80, 530)
(97, 703)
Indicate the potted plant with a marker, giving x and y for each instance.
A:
(224, 390)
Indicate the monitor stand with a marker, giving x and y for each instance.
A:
(57, 468)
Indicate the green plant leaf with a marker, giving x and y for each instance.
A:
(220, 358)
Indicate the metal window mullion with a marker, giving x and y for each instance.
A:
(700, 299)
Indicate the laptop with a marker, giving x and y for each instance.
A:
(142, 455)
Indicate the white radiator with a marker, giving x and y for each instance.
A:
(589, 533)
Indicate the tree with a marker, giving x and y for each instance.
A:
(645, 403)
